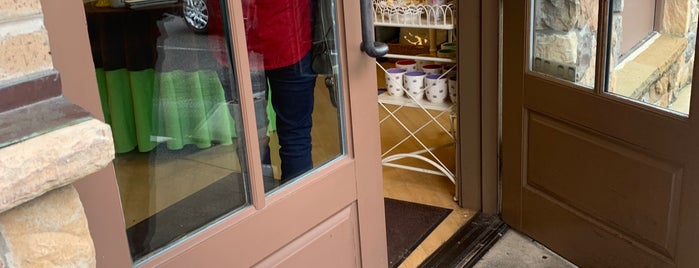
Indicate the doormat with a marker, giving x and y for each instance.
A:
(407, 225)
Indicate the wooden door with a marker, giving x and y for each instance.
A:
(602, 178)
(332, 217)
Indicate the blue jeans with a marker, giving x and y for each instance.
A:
(292, 99)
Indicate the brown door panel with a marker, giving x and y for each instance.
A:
(583, 241)
(629, 192)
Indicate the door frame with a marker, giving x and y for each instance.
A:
(70, 49)
(478, 110)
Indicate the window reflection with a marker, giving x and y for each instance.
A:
(167, 90)
(564, 40)
(304, 129)
(652, 51)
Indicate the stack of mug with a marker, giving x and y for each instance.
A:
(421, 79)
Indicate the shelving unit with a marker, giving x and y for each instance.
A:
(421, 16)
(418, 17)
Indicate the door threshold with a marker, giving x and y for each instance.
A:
(469, 243)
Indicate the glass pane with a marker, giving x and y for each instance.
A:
(167, 90)
(657, 70)
(295, 85)
(564, 40)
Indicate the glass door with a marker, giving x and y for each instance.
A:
(230, 130)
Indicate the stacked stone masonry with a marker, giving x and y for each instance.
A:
(566, 34)
(24, 46)
(55, 239)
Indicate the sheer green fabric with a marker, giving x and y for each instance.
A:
(178, 108)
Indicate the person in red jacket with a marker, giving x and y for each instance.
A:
(279, 40)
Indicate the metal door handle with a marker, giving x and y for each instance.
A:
(369, 45)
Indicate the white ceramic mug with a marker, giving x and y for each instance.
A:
(436, 89)
(394, 82)
(453, 89)
(414, 82)
(408, 65)
(432, 68)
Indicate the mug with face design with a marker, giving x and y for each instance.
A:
(436, 88)
(414, 82)
(394, 82)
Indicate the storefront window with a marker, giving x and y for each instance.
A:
(167, 90)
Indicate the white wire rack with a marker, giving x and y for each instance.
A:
(431, 17)
(415, 16)
(426, 152)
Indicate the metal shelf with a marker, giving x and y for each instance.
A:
(413, 57)
(390, 157)
(385, 16)
(446, 106)
(422, 23)
(440, 17)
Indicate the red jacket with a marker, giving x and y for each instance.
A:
(280, 30)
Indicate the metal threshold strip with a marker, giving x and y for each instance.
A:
(469, 243)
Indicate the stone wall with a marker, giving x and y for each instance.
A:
(680, 20)
(672, 59)
(565, 34)
(50, 231)
(24, 46)
(42, 221)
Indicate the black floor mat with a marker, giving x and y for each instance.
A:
(407, 224)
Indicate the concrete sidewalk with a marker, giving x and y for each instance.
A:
(516, 250)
